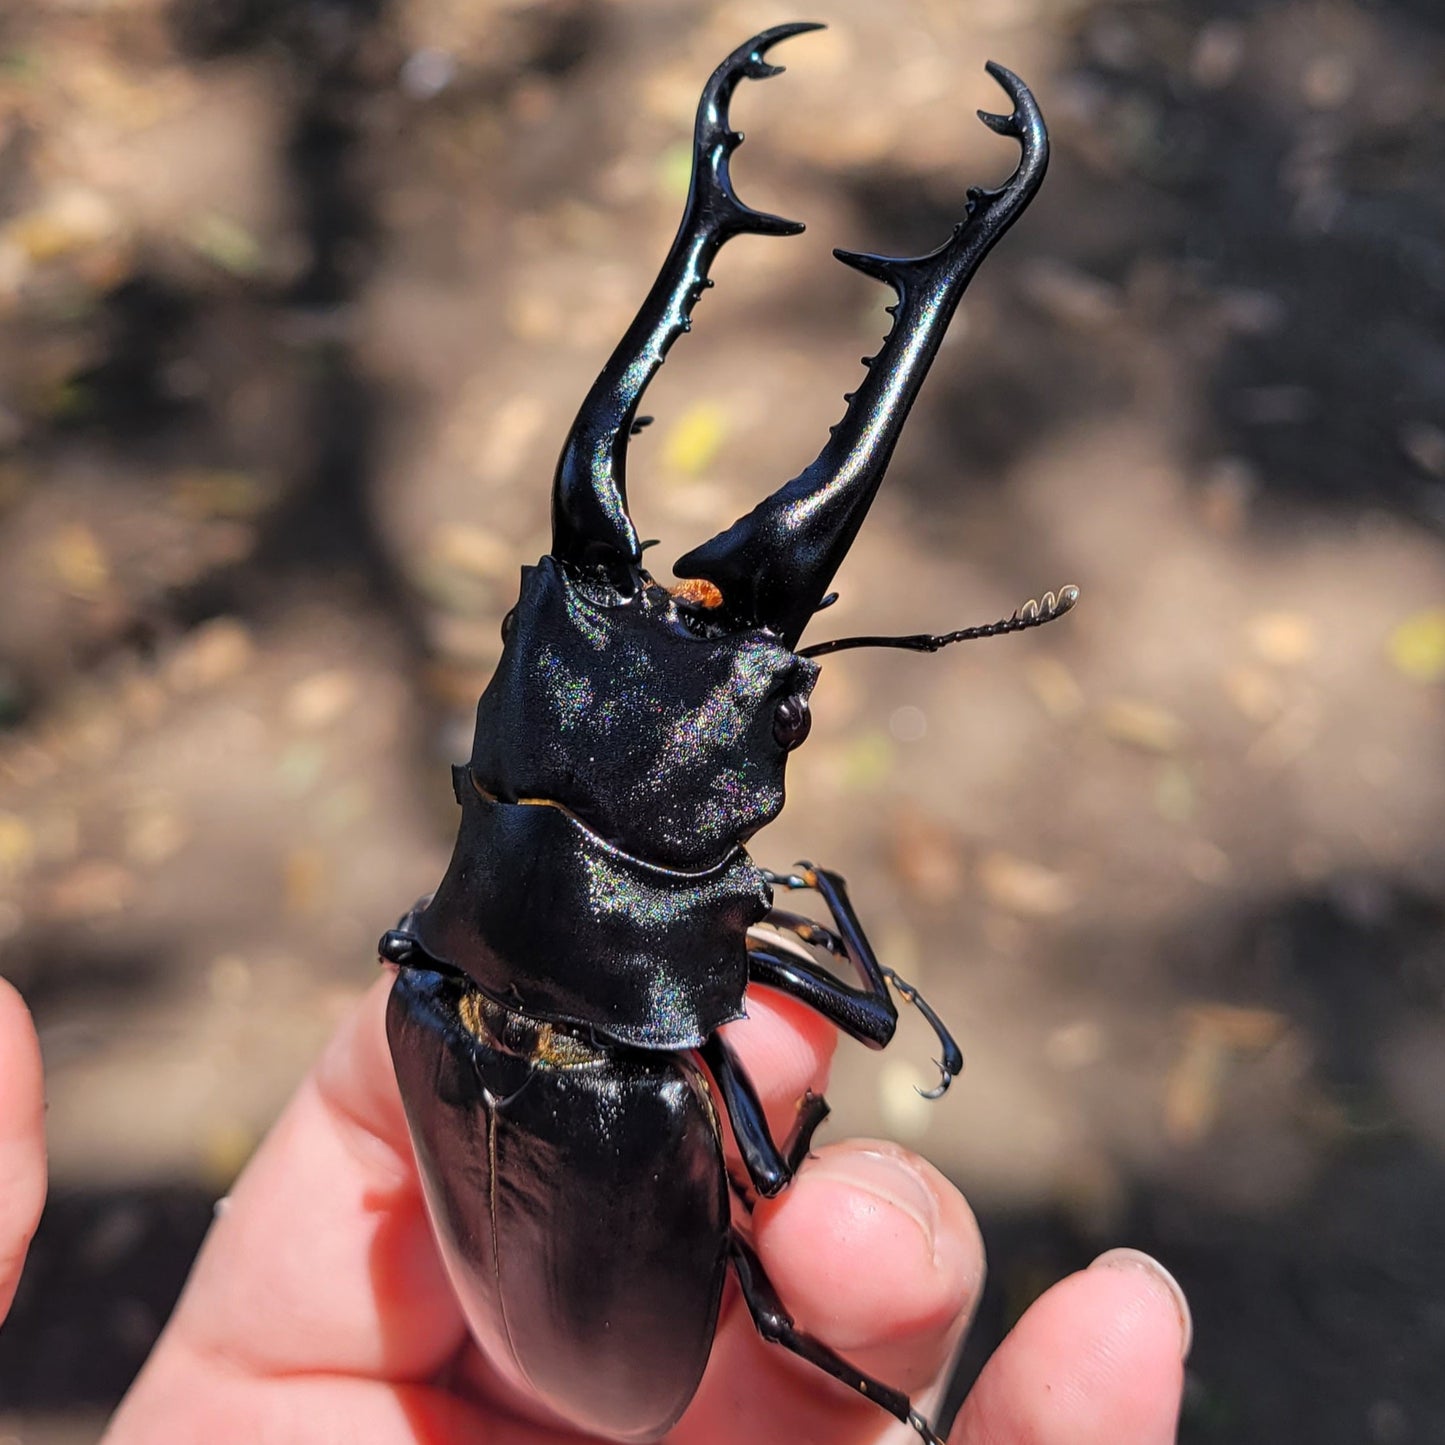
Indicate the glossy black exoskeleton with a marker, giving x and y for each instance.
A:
(554, 1020)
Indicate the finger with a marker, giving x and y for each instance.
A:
(22, 1139)
(874, 1254)
(1096, 1360)
(220, 1406)
(322, 1259)
(786, 1049)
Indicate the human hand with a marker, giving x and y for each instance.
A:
(318, 1309)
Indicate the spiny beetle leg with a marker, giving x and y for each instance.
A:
(771, 1169)
(849, 1009)
(849, 942)
(811, 1112)
(776, 1326)
(813, 1109)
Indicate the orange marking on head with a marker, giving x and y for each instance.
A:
(699, 591)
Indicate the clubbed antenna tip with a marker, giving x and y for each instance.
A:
(1034, 613)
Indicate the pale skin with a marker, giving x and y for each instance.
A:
(318, 1311)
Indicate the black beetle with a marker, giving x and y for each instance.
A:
(554, 1021)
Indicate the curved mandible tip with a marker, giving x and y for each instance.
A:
(1024, 124)
(752, 51)
(711, 197)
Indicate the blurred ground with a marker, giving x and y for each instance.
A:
(296, 302)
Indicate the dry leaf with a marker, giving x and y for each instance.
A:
(1215, 1034)
(319, 700)
(867, 761)
(154, 835)
(474, 551)
(694, 439)
(1174, 795)
(1192, 1091)
(79, 560)
(306, 874)
(1143, 725)
(1257, 694)
(69, 221)
(90, 890)
(1054, 686)
(213, 653)
(925, 856)
(1025, 888)
(226, 243)
(17, 847)
(1417, 646)
(227, 1146)
(234, 495)
(1285, 639)
(1075, 1045)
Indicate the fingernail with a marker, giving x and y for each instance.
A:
(887, 1177)
(1137, 1259)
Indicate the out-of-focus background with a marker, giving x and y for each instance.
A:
(297, 299)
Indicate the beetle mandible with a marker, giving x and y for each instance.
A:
(555, 1017)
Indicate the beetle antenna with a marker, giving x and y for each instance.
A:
(1034, 613)
(951, 1064)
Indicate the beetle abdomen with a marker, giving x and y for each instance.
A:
(579, 1199)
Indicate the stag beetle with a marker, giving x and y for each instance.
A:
(555, 1017)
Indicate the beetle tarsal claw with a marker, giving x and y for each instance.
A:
(951, 1065)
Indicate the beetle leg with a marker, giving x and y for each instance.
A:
(859, 1013)
(770, 1168)
(399, 945)
(867, 1015)
(776, 1326)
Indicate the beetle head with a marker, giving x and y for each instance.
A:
(664, 734)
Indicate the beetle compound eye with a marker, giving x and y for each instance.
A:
(792, 723)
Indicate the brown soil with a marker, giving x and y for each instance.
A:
(296, 302)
